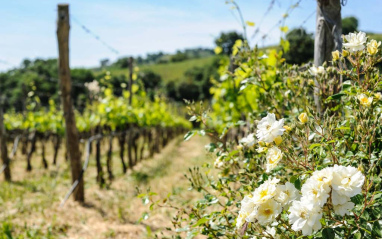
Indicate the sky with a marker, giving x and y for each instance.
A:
(138, 27)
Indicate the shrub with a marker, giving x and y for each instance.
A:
(285, 170)
(301, 46)
(227, 40)
(349, 24)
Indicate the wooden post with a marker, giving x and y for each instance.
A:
(131, 79)
(67, 104)
(3, 145)
(33, 138)
(100, 178)
(328, 36)
(57, 143)
(122, 140)
(44, 162)
(109, 159)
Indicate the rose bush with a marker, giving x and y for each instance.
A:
(286, 170)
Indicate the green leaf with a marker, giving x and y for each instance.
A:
(312, 146)
(343, 128)
(293, 179)
(328, 233)
(201, 221)
(149, 232)
(145, 216)
(210, 147)
(141, 195)
(346, 85)
(357, 235)
(193, 118)
(357, 199)
(336, 96)
(376, 232)
(184, 229)
(240, 122)
(189, 135)
(297, 184)
(243, 87)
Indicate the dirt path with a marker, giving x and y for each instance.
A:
(108, 213)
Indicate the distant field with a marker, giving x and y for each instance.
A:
(375, 36)
(174, 71)
(169, 71)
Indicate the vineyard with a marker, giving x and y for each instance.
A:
(141, 127)
(236, 142)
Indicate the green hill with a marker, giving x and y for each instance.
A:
(171, 71)
(175, 70)
(375, 36)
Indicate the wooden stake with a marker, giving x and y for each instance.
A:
(131, 79)
(328, 37)
(67, 104)
(3, 146)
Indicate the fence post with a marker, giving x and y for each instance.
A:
(3, 145)
(65, 86)
(131, 79)
(328, 37)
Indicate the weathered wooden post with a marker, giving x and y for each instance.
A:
(100, 178)
(122, 140)
(328, 36)
(131, 126)
(67, 105)
(131, 79)
(109, 159)
(3, 145)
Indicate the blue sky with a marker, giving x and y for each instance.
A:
(137, 27)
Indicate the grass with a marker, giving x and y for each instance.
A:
(172, 71)
(29, 206)
(175, 70)
(375, 36)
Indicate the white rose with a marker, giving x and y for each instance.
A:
(273, 157)
(269, 128)
(316, 70)
(342, 209)
(265, 191)
(286, 193)
(314, 192)
(248, 141)
(364, 100)
(347, 181)
(268, 211)
(355, 41)
(305, 217)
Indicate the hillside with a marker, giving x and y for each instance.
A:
(171, 71)
(375, 36)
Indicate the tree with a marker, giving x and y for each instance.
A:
(227, 40)
(179, 56)
(349, 24)
(171, 90)
(188, 91)
(122, 62)
(150, 79)
(301, 46)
